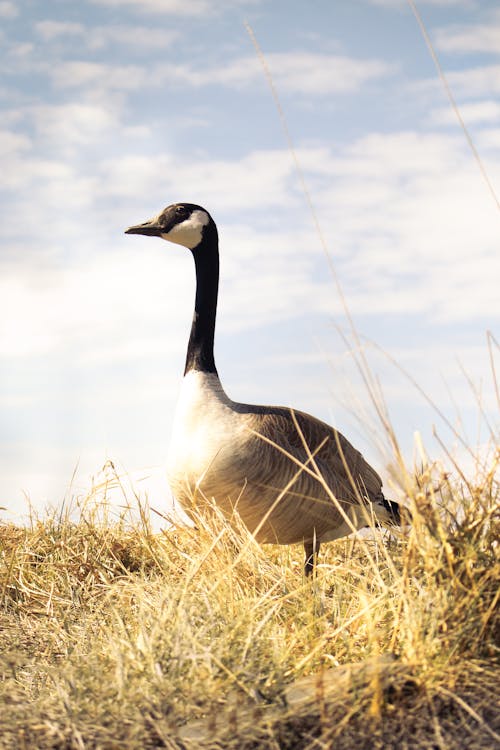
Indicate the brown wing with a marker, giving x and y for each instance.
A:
(294, 456)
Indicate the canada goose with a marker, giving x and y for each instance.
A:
(274, 464)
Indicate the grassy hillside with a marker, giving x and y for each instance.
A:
(115, 637)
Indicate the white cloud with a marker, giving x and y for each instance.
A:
(103, 304)
(412, 224)
(50, 30)
(73, 123)
(82, 73)
(403, 4)
(97, 37)
(487, 111)
(132, 37)
(489, 139)
(482, 38)
(21, 52)
(72, 126)
(78, 124)
(21, 172)
(11, 143)
(297, 72)
(261, 178)
(167, 7)
(133, 304)
(475, 82)
(8, 9)
(177, 7)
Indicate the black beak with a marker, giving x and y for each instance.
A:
(150, 228)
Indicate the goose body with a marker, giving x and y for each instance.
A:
(291, 477)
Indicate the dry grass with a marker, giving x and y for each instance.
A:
(115, 637)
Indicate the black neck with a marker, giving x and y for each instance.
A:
(200, 351)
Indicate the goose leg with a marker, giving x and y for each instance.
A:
(311, 548)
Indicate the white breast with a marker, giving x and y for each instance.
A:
(205, 424)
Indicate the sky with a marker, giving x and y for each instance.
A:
(110, 110)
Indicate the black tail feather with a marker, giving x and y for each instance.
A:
(394, 509)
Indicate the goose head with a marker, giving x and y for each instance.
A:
(182, 223)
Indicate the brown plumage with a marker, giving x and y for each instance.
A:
(291, 477)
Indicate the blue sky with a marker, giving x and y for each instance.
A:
(112, 109)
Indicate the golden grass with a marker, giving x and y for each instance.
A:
(115, 637)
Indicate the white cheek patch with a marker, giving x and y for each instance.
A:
(190, 232)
